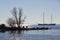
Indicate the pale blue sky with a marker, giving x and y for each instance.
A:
(33, 9)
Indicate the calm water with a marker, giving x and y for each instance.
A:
(53, 34)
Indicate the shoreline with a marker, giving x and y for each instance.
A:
(19, 29)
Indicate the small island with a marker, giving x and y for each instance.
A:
(16, 22)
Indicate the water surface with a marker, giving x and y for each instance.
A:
(51, 34)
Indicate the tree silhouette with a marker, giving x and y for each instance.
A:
(2, 26)
(17, 18)
(11, 22)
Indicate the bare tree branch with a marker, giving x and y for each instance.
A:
(11, 22)
(20, 15)
(15, 14)
(17, 20)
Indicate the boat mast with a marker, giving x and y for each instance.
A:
(43, 17)
(51, 18)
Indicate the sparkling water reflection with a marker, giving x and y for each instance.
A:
(31, 35)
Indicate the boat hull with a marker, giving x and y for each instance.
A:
(47, 24)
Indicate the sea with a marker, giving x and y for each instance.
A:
(51, 34)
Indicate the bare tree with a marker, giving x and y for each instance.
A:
(20, 15)
(11, 22)
(17, 18)
(14, 13)
(21, 21)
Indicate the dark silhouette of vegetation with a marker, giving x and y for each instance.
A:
(5, 28)
(2, 25)
(17, 20)
(11, 22)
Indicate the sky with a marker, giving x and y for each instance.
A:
(32, 9)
